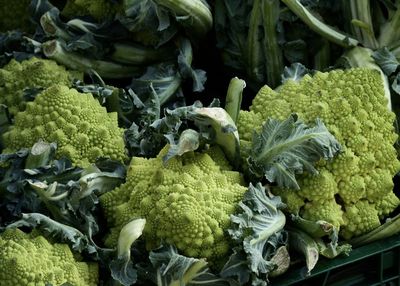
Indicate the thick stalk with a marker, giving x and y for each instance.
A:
(322, 58)
(361, 22)
(234, 96)
(40, 155)
(199, 15)
(272, 51)
(390, 31)
(138, 55)
(320, 27)
(54, 50)
(51, 28)
(254, 57)
(305, 244)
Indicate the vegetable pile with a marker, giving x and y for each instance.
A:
(191, 141)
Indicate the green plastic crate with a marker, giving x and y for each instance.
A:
(374, 264)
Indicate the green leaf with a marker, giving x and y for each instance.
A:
(174, 269)
(122, 269)
(193, 15)
(152, 22)
(396, 84)
(386, 60)
(259, 228)
(217, 127)
(237, 267)
(185, 59)
(295, 72)
(163, 80)
(96, 181)
(188, 141)
(79, 241)
(285, 148)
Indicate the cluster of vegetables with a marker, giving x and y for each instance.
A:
(114, 172)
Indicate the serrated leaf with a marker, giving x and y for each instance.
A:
(188, 141)
(396, 84)
(172, 269)
(285, 148)
(237, 267)
(386, 60)
(295, 72)
(163, 79)
(185, 59)
(123, 272)
(259, 226)
(79, 241)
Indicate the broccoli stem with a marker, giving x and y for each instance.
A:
(138, 55)
(51, 28)
(254, 50)
(199, 18)
(123, 53)
(390, 31)
(322, 57)
(272, 50)
(40, 155)
(303, 243)
(361, 22)
(234, 96)
(318, 26)
(54, 50)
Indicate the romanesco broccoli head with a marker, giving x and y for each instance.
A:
(15, 15)
(18, 77)
(81, 127)
(186, 202)
(30, 259)
(352, 105)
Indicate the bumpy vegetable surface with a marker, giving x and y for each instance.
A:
(81, 127)
(30, 259)
(16, 78)
(355, 190)
(186, 202)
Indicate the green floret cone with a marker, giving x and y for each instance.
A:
(187, 202)
(81, 127)
(352, 105)
(30, 259)
(32, 75)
